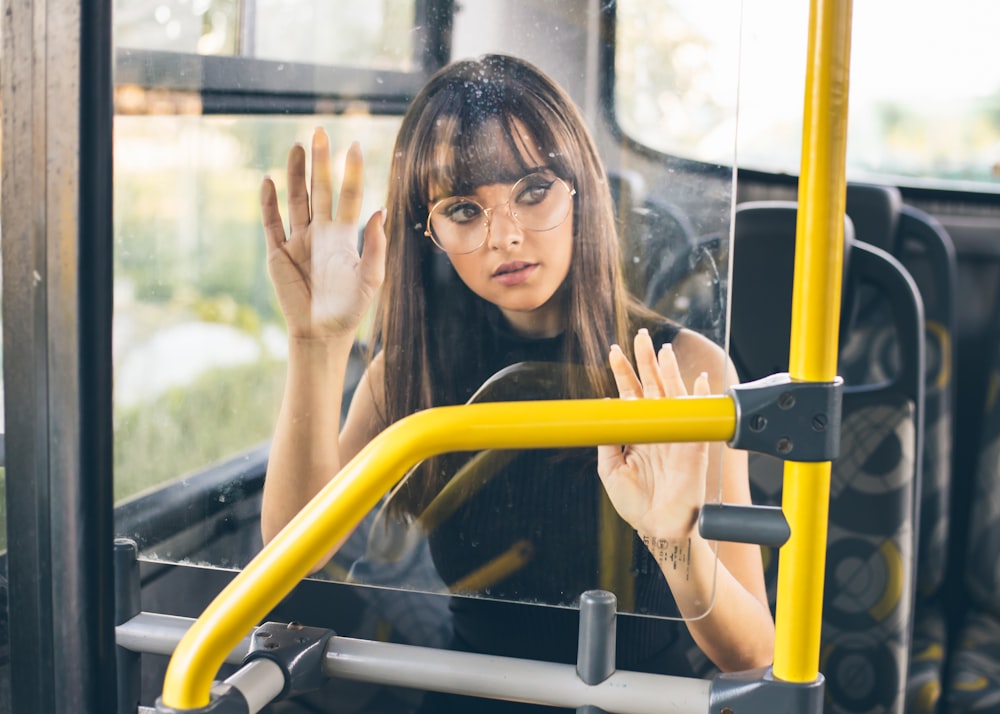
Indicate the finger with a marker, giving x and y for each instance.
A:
(322, 178)
(629, 386)
(702, 388)
(274, 228)
(352, 189)
(671, 372)
(298, 197)
(373, 251)
(649, 370)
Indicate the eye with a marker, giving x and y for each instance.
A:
(533, 190)
(461, 211)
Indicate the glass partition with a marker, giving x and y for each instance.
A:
(200, 343)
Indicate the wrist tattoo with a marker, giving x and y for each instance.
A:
(675, 554)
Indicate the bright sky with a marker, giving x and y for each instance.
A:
(932, 57)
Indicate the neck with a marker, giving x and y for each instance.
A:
(548, 320)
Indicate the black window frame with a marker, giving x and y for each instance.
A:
(242, 84)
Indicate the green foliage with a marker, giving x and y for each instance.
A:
(223, 412)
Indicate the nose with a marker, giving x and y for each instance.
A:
(501, 228)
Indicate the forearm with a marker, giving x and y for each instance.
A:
(305, 452)
(738, 631)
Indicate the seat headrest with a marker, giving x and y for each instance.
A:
(761, 290)
(874, 211)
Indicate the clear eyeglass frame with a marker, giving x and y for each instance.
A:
(487, 213)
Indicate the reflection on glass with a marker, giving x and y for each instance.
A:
(469, 293)
(499, 524)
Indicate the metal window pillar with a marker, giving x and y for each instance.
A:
(57, 258)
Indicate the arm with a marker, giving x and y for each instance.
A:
(659, 489)
(324, 289)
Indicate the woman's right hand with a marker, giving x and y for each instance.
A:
(323, 285)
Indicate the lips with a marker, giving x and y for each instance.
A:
(514, 273)
(513, 267)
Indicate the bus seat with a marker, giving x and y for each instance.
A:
(667, 265)
(874, 211)
(868, 602)
(654, 232)
(974, 674)
(926, 251)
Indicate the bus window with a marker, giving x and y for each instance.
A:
(209, 96)
(676, 68)
(378, 34)
(916, 118)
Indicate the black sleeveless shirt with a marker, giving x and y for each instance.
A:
(543, 506)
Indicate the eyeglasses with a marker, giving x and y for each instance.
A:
(540, 201)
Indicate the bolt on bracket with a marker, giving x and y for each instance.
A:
(788, 419)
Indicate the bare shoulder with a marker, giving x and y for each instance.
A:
(696, 354)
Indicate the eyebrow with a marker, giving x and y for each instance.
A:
(505, 177)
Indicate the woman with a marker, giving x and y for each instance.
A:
(498, 245)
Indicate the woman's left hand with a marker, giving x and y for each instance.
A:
(658, 488)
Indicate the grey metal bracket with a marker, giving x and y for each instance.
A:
(791, 420)
(757, 691)
(224, 699)
(297, 649)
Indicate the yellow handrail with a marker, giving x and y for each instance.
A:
(815, 327)
(357, 488)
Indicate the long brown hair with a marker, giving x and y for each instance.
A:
(448, 142)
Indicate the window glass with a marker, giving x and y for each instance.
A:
(198, 339)
(675, 76)
(207, 27)
(370, 34)
(916, 115)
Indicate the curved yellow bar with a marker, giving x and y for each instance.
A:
(816, 301)
(357, 488)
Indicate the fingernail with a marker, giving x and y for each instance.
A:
(643, 331)
(384, 211)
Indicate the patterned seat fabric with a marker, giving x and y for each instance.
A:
(871, 355)
(866, 611)
(870, 575)
(974, 676)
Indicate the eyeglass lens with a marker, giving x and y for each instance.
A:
(537, 202)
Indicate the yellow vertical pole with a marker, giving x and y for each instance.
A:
(815, 325)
